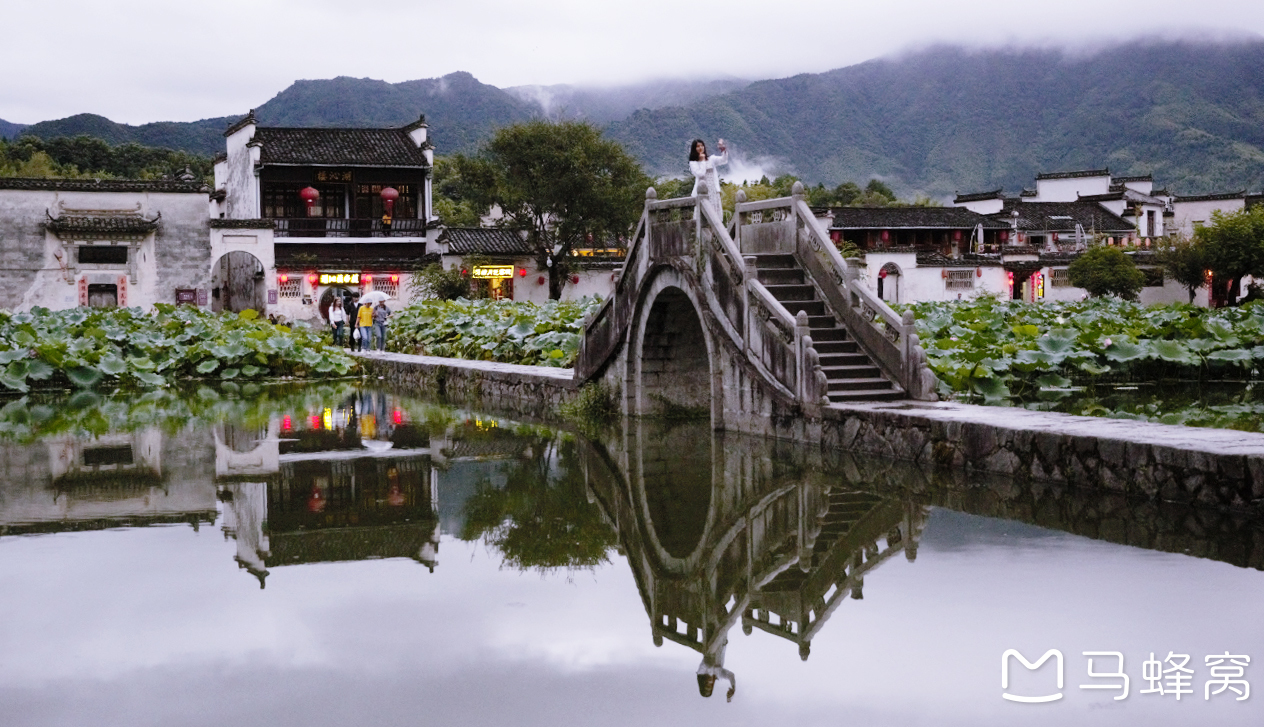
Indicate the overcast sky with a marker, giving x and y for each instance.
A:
(149, 60)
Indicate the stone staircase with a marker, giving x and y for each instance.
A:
(845, 510)
(851, 373)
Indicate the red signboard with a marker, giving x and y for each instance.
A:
(122, 291)
(83, 291)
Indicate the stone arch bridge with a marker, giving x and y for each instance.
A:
(760, 324)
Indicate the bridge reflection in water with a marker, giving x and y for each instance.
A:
(720, 529)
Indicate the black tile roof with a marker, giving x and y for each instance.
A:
(351, 255)
(130, 224)
(1063, 216)
(1142, 178)
(484, 241)
(910, 218)
(104, 185)
(1075, 175)
(930, 259)
(1209, 197)
(1253, 200)
(980, 196)
(338, 147)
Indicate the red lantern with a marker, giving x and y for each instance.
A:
(312, 279)
(389, 195)
(1055, 237)
(575, 280)
(886, 235)
(366, 278)
(540, 280)
(309, 195)
(522, 273)
(882, 273)
(978, 272)
(956, 235)
(1004, 235)
(285, 278)
(395, 278)
(943, 273)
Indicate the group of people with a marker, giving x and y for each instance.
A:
(361, 326)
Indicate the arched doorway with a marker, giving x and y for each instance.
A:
(889, 283)
(333, 293)
(674, 360)
(237, 281)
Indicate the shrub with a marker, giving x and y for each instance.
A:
(1105, 270)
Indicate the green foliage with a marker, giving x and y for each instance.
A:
(89, 413)
(594, 407)
(492, 330)
(541, 519)
(1233, 247)
(1105, 270)
(433, 281)
(85, 156)
(1000, 350)
(561, 182)
(460, 187)
(1185, 260)
(82, 347)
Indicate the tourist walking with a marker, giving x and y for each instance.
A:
(380, 314)
(364, 321)
(703, 167)
(338, 320)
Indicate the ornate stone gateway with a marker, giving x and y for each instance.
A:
(760, 324)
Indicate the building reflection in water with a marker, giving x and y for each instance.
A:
(352, 481)
(722, 529)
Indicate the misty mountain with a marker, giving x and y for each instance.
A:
(947, 119)
(460, 110)
(10, 130)
(607, 104)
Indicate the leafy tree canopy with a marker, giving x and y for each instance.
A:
(1233, 246)
(563, 183)
(1105, 270)
(85, 156)
(1185, 259)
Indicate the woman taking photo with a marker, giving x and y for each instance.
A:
(703, 167)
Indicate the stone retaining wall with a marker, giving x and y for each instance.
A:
(535, 391)
(1209, 467)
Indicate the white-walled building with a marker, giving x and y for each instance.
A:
(301, 216)
(503, 265)
(66, 243)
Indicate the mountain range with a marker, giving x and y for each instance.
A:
(934, 121)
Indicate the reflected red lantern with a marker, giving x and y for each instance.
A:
(309, 195)
(1004, 236)
(541, 280)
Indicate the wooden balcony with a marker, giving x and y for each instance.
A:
(330, 227)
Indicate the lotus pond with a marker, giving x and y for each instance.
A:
(330, 554)
(1176, 364)
(86, 348)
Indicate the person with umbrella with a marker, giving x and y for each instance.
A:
(377, 301)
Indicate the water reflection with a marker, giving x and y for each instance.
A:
(716, 530)
(723, 529)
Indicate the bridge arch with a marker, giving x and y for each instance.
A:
(672, 351)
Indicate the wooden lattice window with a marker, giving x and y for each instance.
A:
(385, 285)
(291, 287)
(1059, 278)
(959, 280)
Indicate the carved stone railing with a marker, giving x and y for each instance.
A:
(692, 237)
(786, 225)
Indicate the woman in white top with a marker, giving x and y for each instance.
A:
(703, 168)
(337, 319)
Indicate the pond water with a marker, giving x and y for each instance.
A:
(333, 556)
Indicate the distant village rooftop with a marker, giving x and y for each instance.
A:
(484, 241)
(1074, 175)
(922, 218)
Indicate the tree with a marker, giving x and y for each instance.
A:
(563, 183)
(459, 191)
(1105, 270)
(1234, 247)
(1185, 259)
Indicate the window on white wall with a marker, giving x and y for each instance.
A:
(959, 280)
(1058, 278)
(291, 287)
